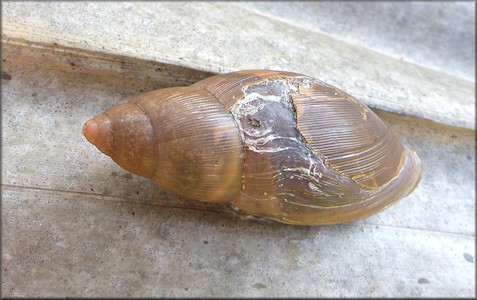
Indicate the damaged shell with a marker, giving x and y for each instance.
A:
(275, 145)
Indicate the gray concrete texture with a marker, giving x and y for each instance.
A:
(74, 224)
(438, 35)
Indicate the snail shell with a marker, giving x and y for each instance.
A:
(275, 145)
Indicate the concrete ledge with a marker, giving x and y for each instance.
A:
(232, 38)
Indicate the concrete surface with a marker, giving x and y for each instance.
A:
(439, 35)
(76, 225)
(220, 37)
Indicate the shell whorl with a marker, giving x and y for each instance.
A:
(313, 154)
(193, 144)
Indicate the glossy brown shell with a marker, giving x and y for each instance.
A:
(276, 145)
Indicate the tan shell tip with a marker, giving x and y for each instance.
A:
(90, 131)
(98, 132)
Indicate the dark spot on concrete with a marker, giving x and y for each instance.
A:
(423, 281)
(6, 76)
(132, 213)
(128, 176)
(206, 242)
(453, 136)
(34, 94)
(259, 286)
(114, 174)
(71, 62)
(92, 190)
(468, 257)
